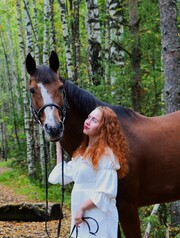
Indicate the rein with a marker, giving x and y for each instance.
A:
(89, 228)
(62, 190)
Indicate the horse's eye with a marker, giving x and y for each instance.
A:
(61, 88)
(32, 90)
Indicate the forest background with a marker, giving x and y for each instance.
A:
(113, 49)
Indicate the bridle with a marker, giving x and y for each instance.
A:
(62, 110)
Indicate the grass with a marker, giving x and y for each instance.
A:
(17, 179)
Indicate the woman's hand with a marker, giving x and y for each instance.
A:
(87, 205)
(79, 217)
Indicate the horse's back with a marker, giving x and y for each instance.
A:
(155, 157)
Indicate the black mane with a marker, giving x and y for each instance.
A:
(86, 101)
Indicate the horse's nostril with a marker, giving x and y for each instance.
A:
(52, 130)
(46, 127)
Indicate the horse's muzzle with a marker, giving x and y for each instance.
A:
(54, 133)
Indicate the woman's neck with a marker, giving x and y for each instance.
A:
(92, 141)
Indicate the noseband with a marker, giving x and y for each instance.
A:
(36, 113)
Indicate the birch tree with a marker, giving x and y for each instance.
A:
(171, 56)
(28, 27)
(36, 36)
(27, 121)
(94, 41)
(76, 38)
(67, 44)
(114, 54)
(53, 44)
(46, 32)
(9, 77)
(3, 105)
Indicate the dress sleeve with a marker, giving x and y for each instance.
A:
(56, 174)
(106, 184)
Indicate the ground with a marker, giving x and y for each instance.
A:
(29, 229)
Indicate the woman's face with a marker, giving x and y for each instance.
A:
(91, 124)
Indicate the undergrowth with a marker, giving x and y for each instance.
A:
(18, 179)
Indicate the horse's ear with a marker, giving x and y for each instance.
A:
(54, 61)
(30, 64)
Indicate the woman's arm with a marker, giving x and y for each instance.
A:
(58, 152)
(56, 174)
(87, 205)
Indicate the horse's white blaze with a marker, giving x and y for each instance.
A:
(48, 110)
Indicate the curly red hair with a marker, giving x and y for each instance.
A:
(110, 135)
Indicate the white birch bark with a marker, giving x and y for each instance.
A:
(94, 40)
(14, 79)
(30, 159)
(114, 54)
(37, 51)
(148, 228)
(52, 27)
(66, 34)
(28, 27)
(46, 32)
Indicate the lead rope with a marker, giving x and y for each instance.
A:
(46, 182)
(62, 192)
(62, 189)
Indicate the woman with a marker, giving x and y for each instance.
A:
(94, 168)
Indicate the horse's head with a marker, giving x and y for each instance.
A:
(47, 96)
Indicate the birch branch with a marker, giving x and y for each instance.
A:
(148, 228)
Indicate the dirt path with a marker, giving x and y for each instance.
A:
(29, 229)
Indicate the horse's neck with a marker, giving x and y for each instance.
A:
(81, 100)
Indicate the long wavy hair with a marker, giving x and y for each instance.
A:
(110, 134)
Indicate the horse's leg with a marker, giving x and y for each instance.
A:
(129, 219)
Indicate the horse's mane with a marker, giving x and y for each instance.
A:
(86, 101)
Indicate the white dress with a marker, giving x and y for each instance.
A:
(99, 185)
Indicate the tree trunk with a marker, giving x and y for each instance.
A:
(46, 31)
(148, 228)
(52, 27)
(94, 40)
(9, 76)
(27, 122)
(76, 38)
(37, 51)
(28, 27)
(175, 213)
(114, 29)
(66, 34)
(135, 54)
(30, 212)
(171, 56)
(3, 134)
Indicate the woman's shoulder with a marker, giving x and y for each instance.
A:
(108, 160)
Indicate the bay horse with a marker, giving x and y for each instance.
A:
(154, 164)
